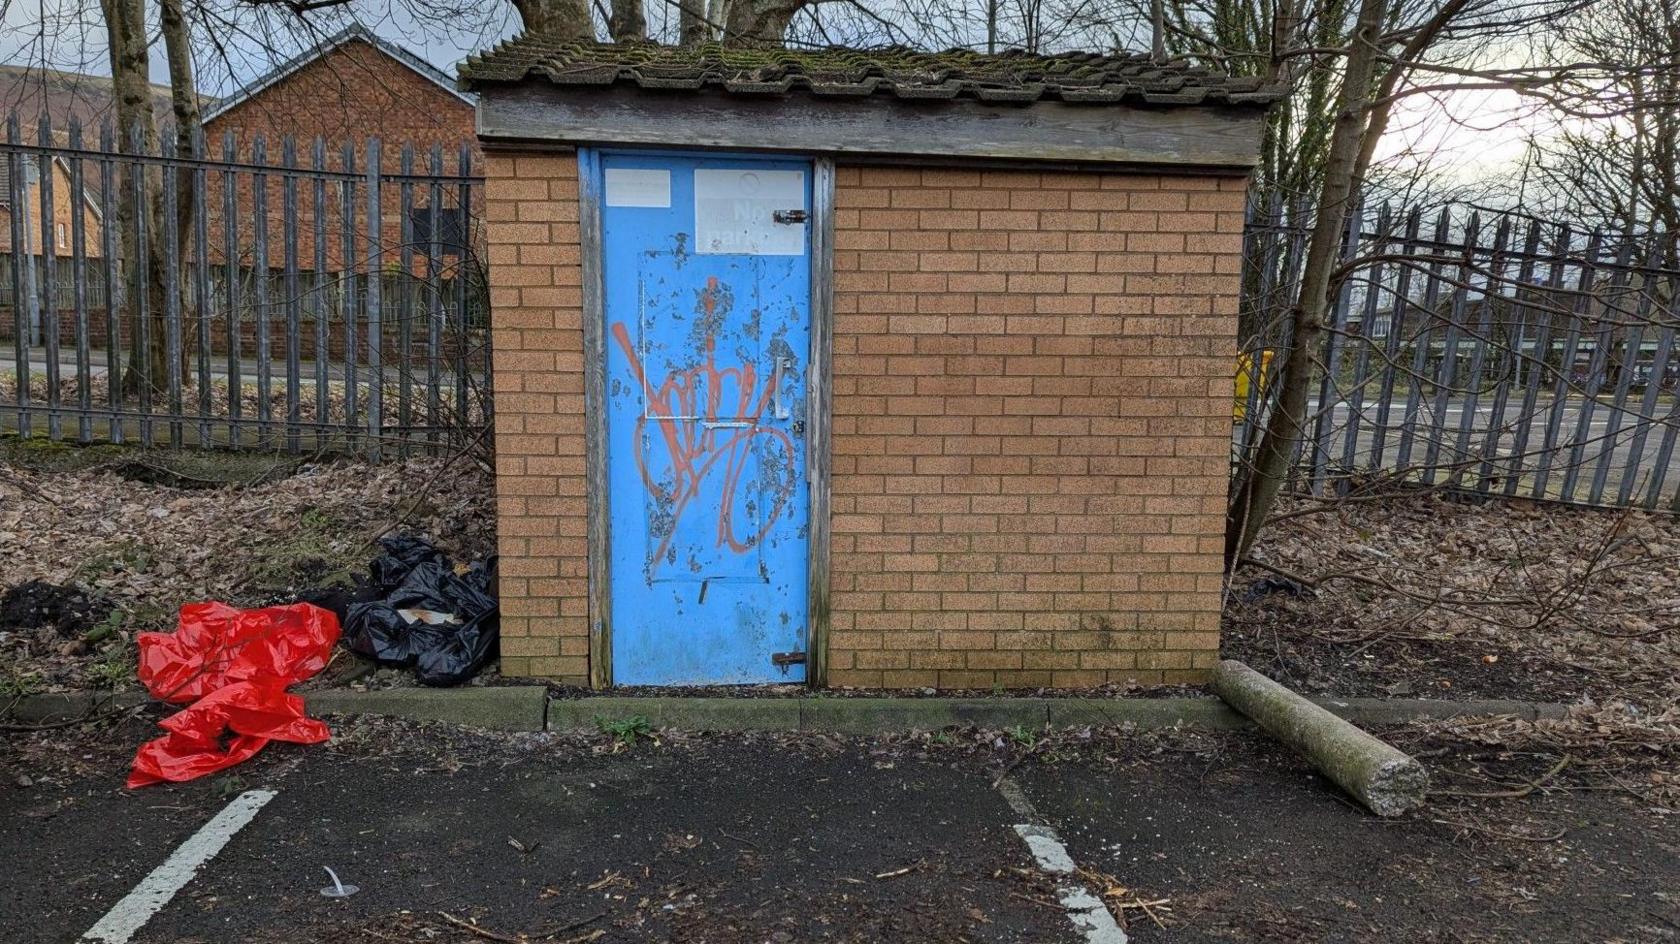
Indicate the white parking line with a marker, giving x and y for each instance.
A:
(1086, 910)
(156, 890)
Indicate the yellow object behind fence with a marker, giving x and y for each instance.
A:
(1246, 379)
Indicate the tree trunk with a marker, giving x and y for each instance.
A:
(183, 97)
(759, 22)
(1256, 488)
(627, 22)
(125, 26)
(692, 28)
(562, 19)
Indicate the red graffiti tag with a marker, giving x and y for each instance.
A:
(697, 438)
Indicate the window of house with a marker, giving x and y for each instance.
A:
(62, 242)
(452, 229)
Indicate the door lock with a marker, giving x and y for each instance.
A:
(790, 216)
(799, 428)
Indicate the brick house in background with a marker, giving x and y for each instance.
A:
(61, 207)
(31, 94)
(347, 89)
(340, 94)
(35, 197)
(861, 368)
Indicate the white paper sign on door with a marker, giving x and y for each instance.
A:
(734, 212)
(635, 187)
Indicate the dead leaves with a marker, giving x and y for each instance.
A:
(1501, 598)
(148, 548)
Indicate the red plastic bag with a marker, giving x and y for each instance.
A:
(215, 645)
(234, 666)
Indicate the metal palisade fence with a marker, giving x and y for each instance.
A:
(253, 294)
(1490, 352)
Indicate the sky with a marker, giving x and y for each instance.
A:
(69, 35)
(1461, 137)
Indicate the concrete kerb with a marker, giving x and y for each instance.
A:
(508, 708)
(502, 708)
(869, 715)
(529, 708)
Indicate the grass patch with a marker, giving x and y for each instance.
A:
(319, 552)
(114, 669)
(202, 468)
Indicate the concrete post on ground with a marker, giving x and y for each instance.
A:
(1387, 781)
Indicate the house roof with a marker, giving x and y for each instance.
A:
(354, 33)
(32, 92)
(89, 192)
(1010, 77)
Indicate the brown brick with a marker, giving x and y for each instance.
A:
(1031, 379)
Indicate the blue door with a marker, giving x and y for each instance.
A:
(707, 277)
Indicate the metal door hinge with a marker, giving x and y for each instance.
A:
(784, 659)
(790, 216)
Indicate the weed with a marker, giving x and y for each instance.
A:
(1020, 736)
(113, 669)
(626, 731)
(18, 684)
(124, 555)
(312, 554)
(144, 616)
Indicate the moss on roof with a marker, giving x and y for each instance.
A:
(1014, 76)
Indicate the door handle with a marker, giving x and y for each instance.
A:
(778, 408)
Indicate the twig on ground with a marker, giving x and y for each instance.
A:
(1009, 768)
(1515, 793)
(477, 931)
(740, 839)
(571, 925)
(426, 489)
(1500, 833)
(24, 485)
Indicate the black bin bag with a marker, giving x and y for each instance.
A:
(443, 624)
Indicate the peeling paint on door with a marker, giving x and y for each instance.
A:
(706, 380)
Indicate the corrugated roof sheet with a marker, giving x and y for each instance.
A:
(1014, 77)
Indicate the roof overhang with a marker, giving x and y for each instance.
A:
(1165, 139)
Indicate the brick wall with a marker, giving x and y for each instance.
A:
(348, 95)
(1032, 378)
(536, 300)
(1032, 381)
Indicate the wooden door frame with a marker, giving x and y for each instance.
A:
(818, 396)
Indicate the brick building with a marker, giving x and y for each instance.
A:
(878, 369)
(339, 96)
(58, 201)
(349, 88)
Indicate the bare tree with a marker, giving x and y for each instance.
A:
(627, 21)
(140, 202)
(1257, 487)
(1616, 158)
(1434, 47)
